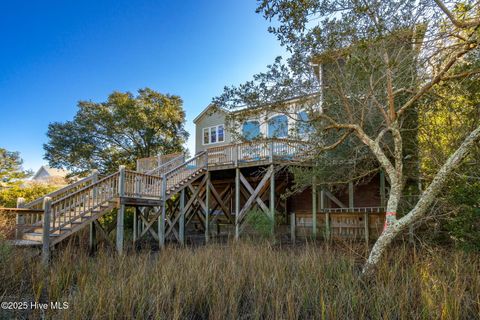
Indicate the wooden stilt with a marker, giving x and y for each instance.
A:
(367, 228)
(293, 226)
(237, 203)
(47, 206)
(314, 207)
(18, 222)
(121, 211)
(327, 214)
(181, 223)
(207, 208)
(382, 189)
(272, 199)
(135, 226)
(92, 239)
(162, 217)
(350, 195)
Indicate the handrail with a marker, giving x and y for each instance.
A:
(185, 163)
(158, 171)
(39, 201)
(86, 187)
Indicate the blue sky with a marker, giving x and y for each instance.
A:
(55, 53)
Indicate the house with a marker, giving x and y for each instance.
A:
(46, 174)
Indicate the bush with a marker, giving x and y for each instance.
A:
(8, 196)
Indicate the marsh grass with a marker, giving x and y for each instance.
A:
(249, 281)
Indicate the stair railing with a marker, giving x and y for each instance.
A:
(73, 207)
(183, 171)
(167, 166)
(60, 193)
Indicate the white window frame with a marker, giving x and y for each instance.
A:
(209, 129)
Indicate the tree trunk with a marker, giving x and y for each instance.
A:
(423, 203)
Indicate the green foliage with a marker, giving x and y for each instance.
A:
(11, 170)
(463, 226)
(8, 196)
(260, 222)
(124, 128)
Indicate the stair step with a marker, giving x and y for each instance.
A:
(36, 236)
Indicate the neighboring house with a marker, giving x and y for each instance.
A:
(50, 175)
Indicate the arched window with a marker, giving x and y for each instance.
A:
(304, 127)
(251, 130)
(278, 127)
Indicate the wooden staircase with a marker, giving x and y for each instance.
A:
(76, 206)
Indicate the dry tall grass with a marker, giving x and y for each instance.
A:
(248, 281)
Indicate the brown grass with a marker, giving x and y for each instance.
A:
(249, 281)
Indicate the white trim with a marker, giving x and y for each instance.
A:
(210, 135)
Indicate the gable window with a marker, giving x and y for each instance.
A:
(214, 134)
(278, 127)
(251, 130)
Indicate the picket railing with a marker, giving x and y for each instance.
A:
(72, 208)
(186, 169)
(262, 150)
(65, 191)
(145, 165)
(167, 166)
(141, 185)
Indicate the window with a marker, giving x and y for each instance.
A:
(214, 134)
(251, 130)
(278, 127)
(304, 127)
(221, 133)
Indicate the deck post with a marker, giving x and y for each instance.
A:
(207, 208)
(270, 145)
(351, 205)
(314, 207)
(327, 214)
(162, 217)
(237, 203)
(20, 204)
(121, 210)
(367, 227)
(92, 236)
(181, 223)
(135, 225)
(293, 226)
(382, 189)
(47, 211)
(272, 198)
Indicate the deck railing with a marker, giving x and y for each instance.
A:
(141, 185)
(148, 164)
(262, 150)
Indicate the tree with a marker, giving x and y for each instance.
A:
(124, 128)
(11, 167)
(379, 60)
